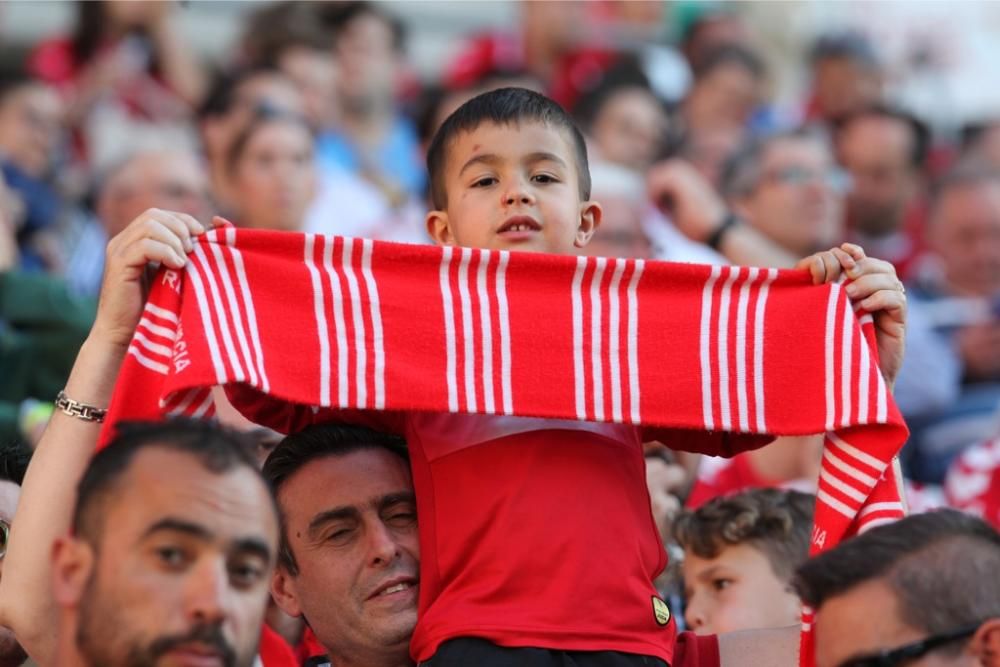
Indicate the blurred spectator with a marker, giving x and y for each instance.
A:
(626, 123)
(14, 458)
(231, 103)
(713, 120)
(846, 77)
(922, 590)
(790, 462)
(292, 37)
(981, 141)
(168, 179)
(710, 32)
(884, 151)
(740, 554)
(789, 187)
(950, 383)
(973, 481)
(373, 139)
(127, 75)
(272, 172)
(31, 123)
(621, 233)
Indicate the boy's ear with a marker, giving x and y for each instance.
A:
(438, 228)
(284, 592)
(590, 220)
(72, 565)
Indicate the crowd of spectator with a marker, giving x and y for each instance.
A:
(316, 122)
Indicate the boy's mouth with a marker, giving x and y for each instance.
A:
(519, 224)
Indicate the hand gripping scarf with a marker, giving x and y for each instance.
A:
(360, 324)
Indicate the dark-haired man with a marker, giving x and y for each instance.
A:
(884, 151)
(174, 541)
(349, 557)
(923, 592)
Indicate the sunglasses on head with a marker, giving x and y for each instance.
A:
(899, 656)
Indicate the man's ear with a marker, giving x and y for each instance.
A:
(439, 229)
(284, 592)
(590, 220)
(985, 644)
(73, 563)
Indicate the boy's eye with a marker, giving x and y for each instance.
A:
(485, 181)
(545, 178)
(721, 584)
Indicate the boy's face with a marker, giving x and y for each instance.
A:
(737, 590)
(513, 187)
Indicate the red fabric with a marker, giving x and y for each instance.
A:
(696, 651)
(401, 335)
(275, 651)
(309, 646)
(973, 481)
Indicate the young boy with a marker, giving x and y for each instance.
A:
(537, 545)
(740, 553)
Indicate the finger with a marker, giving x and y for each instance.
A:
(171, 224)
(219, 221)
(171, 231)
(871, 265)
(847, 262)
(887, 301)
(826, 268)
(854, 250)
(194, 227)
(150, 250)
(867, 285)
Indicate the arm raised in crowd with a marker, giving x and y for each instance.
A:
(49, 491)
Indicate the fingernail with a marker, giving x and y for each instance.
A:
(188, 246)
(851, 290)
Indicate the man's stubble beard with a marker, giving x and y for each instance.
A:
(100, 632)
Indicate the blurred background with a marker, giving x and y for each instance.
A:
(814, 122)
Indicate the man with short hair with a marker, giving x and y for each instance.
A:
(923, 591)
(884, 150)
(349, 557)
(174, 541)
(788, 187)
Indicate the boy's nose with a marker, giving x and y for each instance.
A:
(518, 194)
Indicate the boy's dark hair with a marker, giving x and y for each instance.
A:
(504, 106)
(777, 523)
(216, 449)
(314, 442)
(942, 567)
(14, 458)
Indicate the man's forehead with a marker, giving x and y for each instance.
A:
(160, 479)
(358, 479)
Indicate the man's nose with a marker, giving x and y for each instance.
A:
(207, 591)
(383, 547)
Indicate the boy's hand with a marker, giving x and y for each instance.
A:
(875, 286)
(155, 236)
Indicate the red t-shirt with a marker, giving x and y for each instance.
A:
(532, 532)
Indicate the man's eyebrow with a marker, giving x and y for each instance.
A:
(483, 158)
(396, 498)
(178, 526)
(255, 546)
(332, 514)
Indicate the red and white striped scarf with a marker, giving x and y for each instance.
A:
(358, 324)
